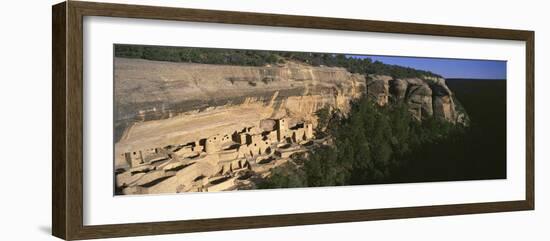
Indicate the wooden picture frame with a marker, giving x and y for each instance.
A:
(67, 138)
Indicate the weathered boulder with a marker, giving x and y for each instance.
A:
(174, 166)
(419, 98)
(134, 190)
(142, 168)
(378, 88)
(153, 177)
(426, 97)
(398, 88)
(127, 178)
(444, 108)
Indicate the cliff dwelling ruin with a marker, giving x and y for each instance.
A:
(218, 162)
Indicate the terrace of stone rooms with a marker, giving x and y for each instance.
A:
(225, 161)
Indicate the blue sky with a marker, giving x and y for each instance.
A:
(448, 68)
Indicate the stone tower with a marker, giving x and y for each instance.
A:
(212, 144)
(134, 158)
(282, 129)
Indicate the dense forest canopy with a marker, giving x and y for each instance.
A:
(263, 57)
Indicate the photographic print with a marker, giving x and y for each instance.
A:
(269, 114)
(189, 119)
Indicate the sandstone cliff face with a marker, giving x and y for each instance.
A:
(162, 103)
(426, 97)
(149, 90)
